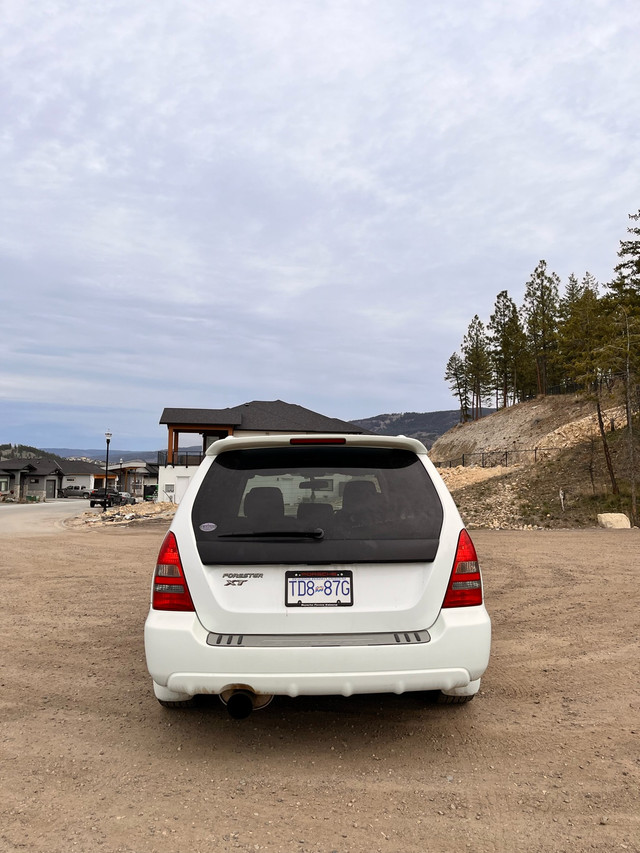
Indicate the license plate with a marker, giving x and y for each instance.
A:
(318, 589)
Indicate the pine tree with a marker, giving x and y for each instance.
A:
(580, 337)
(572, 293)
(541, 312)
(456, 376)
(507, 344)
(499, 346)
(588, 357)
(523, 372)
(475, 350)
(579, 328)
(625, 288)
(590, 282)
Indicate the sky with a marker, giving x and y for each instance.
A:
(208, 202)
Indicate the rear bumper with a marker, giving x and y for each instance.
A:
(179, 658)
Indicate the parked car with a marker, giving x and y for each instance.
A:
(126, 498)
(316, 565)
(74, 492)
(97, 496)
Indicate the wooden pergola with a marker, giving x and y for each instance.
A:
(206, 431)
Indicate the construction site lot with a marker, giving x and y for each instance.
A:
(546, 757)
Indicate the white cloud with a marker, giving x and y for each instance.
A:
(298, 199)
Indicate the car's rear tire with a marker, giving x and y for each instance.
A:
(170, 699)
(185, 703)
(458, 695)
(445, 699)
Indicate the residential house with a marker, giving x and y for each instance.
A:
(29, 479)
(134, 476)
(42, 478)
(86, 475)
(176, 466)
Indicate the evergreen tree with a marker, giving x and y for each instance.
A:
(475, 350)
(572, 293)
(522, 369)
(580, 337)
(579, 329)
(589, 359)
(625, 288)
(456, 376)
(590, 282)
(499, 346)
(507, 344)
(541, 312)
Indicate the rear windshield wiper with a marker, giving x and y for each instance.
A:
(318, 533)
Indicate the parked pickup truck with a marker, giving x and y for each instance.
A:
(74, 492)
(113, 498)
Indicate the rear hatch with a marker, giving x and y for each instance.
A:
(316, 537)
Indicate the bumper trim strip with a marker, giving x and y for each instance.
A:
(319, 640)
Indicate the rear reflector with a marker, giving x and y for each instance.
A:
(318, 441)
(465, 583)
(170, 590)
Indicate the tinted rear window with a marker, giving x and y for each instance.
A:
(316, 505)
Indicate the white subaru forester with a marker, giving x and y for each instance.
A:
(316, 564)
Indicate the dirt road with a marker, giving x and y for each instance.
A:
(546, 758)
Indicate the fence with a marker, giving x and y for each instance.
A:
(493, 458)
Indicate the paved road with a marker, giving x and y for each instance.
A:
(39, 519)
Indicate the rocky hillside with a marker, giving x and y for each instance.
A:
(555, 474)
(26, 451)
(545, 422)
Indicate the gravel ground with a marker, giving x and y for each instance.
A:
(546, 758)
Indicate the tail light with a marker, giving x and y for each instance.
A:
(465, 583)
(170, 590)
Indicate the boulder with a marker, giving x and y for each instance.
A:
(613, 520)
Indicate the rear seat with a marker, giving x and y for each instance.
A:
(316, 514)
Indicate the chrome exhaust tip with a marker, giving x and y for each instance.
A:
(240, 702)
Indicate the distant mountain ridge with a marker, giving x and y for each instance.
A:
(425, 426)
(114, 455)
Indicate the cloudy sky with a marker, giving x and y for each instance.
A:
(206, 202)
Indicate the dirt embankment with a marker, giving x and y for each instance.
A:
(546, 422)
(564, 483)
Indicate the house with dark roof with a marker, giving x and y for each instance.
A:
(85, 475)
(204, 426)
(29, 479)
(42, 478)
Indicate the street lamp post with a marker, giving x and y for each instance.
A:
(107, 435)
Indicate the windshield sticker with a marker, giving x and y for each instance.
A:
(208, 526)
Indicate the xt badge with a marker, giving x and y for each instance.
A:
(239, 578)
